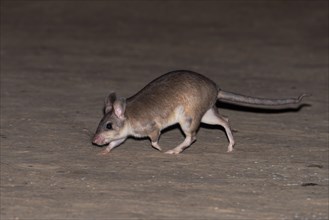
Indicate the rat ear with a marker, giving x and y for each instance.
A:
(120, 107)
(110, 99)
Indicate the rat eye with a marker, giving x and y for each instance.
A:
(109, 126)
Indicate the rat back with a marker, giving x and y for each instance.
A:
(171, 96)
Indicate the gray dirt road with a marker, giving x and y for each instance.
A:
(59, 59)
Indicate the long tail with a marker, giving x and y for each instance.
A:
(236, 98)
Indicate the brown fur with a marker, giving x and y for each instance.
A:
(158, 100)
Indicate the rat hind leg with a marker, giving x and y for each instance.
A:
(189, 128)
(212, 117)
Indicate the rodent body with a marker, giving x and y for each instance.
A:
(183, 97)
(173, 98)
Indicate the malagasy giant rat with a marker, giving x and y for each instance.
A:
(182, 97)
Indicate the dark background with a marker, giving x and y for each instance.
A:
(59, 59)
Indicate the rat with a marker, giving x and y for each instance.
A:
(184, 97)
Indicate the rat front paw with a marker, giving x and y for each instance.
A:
(103, 152)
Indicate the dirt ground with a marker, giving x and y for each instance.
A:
(59, 59)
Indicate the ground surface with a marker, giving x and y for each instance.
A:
(59, 59)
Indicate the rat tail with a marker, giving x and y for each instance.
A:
(236, 98)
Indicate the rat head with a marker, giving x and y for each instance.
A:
(112, 126)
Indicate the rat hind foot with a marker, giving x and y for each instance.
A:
(186, 143)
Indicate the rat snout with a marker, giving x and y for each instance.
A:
(99, 140)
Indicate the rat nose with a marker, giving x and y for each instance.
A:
(97, 139)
